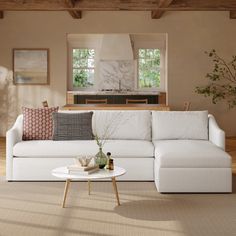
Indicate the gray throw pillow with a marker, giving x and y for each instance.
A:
(72, 126)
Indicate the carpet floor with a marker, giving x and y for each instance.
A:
(34, 209)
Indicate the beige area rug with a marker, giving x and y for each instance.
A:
(33, 209)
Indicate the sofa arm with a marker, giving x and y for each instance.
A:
(13, 136)
(216, 135)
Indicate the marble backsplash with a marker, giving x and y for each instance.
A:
(116, 75)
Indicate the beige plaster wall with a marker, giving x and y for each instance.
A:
(189, 35)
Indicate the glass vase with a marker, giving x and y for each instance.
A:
(101, 159)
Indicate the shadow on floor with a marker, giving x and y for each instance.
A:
(234, 183)
(180, 206)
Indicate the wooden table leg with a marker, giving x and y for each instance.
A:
(115, 189)
(89, 187)
(65, 192)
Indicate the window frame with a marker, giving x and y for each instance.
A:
(82, 68)
(151, 45)
(81, 45)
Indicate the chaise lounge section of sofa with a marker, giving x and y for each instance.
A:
(189, 153)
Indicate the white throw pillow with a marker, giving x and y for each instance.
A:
(180, 125)
(122, 124)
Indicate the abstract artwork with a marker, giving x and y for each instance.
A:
(116, 75)
(31, 66)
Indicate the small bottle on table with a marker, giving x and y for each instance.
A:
(110, 163)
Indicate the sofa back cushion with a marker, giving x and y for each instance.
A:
(72, 126)
(122, 124)
(37, 123)
(179, 125)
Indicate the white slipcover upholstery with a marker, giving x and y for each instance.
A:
(49, 148)
(186, 160)
(179, 125)
(122, 124)
(216, 135)
(193, 180)
(190, 154)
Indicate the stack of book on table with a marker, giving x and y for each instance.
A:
(82, 170)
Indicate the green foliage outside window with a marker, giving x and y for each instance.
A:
(149, 68)
(83, 67)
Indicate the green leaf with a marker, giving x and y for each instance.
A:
(223, 80)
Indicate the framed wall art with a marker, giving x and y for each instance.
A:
(31, 66)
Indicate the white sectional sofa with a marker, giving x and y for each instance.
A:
(180, 151)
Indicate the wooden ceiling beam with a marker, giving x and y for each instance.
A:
(158, 13)
(31, 5)
(214, 5)
(1, 14)
(117, 5)
(74, 13)
(232, 14)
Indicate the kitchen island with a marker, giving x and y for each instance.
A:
(113, 97)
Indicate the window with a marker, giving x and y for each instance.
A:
(83, 67)
(149, 68)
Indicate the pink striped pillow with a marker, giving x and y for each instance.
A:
(38, 123)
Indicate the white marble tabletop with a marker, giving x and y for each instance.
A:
(63, 173)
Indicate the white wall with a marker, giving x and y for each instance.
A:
(189, 35)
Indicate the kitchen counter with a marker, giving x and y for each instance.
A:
(113, 92)
(90, 107)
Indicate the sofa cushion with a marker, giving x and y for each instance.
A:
(135, 125)
(179, 125)
(75, 126)
(49, 148)
(37, 123)
(190, 154)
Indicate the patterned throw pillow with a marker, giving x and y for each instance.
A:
(75, 126)
(38, 123)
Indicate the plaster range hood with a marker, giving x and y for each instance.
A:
(116, 47)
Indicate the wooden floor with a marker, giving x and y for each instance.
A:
(2, 156)
(230, 148)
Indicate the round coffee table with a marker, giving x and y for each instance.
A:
(62, 172)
